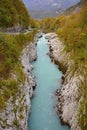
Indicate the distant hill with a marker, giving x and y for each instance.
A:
(48, 8)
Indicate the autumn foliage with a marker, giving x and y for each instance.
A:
(72, 30)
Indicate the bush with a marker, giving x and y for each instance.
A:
(16, 123)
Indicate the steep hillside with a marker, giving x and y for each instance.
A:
(16, 81)
(13, 13)
(72, 31)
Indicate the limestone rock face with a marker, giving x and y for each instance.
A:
(17, 110)
(67, 95)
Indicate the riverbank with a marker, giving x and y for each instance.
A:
(16, 112)
(67, 95)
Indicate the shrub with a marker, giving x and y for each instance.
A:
(16, 123)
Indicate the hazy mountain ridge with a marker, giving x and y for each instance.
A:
(40, 14)
(49, 5)
(47, 8)
(73, 9)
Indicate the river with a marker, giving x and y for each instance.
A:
(48, 78)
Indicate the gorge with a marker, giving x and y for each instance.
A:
(44, 88)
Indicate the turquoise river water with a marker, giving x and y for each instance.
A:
(48, 78)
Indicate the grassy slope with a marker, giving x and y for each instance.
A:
(72, 30)
(10, 50)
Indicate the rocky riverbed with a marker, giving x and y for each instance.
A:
(67, 95)
(15, 115)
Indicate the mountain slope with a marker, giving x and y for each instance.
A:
(73, 9)
(16, 51)
(72, 30)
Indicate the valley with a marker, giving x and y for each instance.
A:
(43, 65)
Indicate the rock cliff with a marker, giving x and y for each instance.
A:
(67, 96)
(16, 112)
